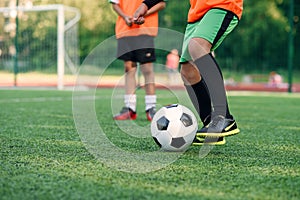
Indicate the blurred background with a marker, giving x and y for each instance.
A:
(265, 44)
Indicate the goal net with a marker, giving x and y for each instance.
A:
(40, 40)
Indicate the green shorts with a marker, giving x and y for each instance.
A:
(215, 25)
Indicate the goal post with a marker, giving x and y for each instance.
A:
(40, 48)
(60, 47)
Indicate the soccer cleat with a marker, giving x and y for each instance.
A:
(150, 113)
(198, 141)
(126, 114)
(219, 126)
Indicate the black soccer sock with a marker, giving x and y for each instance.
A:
(213, 78)
(201, 100)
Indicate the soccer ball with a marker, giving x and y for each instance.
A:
(174, 127)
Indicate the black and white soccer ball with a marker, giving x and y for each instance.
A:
(174, 127)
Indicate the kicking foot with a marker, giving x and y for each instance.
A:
(219, 126)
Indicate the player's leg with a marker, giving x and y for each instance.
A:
(196, 89)
(150, 97)
(128, 112)
(130, 85)
(198, 93)
(146, 56)
(204, 37)
(148, 73)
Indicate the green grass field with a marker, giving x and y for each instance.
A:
(43, 157)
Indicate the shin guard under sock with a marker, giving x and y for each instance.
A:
(212, 76)
(201, 100)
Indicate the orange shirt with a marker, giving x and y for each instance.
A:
(199, 8)
(150, 27)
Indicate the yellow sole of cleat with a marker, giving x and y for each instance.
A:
(226, 134)
(202, 142)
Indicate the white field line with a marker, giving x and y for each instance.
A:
(263, 94)
(56, 99)
(47, 99)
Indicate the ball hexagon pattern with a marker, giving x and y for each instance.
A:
(162, 123)
(174, 127)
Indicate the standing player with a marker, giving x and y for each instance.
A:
(172, 64)
(136, 45)
(209, 22)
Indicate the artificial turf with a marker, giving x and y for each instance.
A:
(43, 155)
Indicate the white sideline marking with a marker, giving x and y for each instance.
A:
(25, 100)
(263, 94)
(55, 99)
(47, 99)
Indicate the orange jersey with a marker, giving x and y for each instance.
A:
(150, 27)
(199, 8)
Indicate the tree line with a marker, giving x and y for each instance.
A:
(260, 42)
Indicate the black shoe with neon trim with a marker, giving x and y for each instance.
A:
(198, 141)
(219, 126)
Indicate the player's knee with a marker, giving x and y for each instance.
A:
(198, 47)
(189, 75)
(147, 70)
(129, 66)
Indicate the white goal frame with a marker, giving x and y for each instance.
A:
(62, 27)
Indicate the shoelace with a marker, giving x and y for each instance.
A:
(214, 123)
